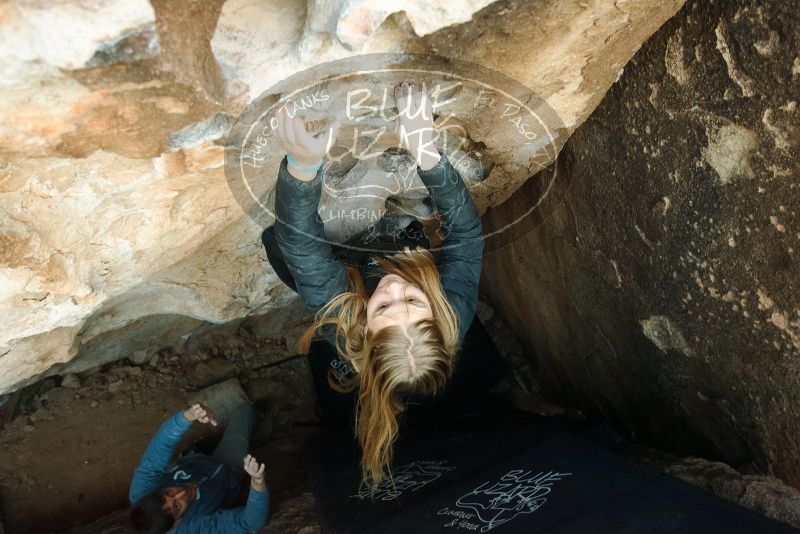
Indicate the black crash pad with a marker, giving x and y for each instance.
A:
(471, 469)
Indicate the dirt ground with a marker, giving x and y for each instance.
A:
(69, 445)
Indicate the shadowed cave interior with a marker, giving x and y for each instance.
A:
(639, 277)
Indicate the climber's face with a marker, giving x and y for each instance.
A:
(177, 499)
(396, 302)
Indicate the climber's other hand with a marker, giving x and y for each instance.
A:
(200, 412)
(306, 148)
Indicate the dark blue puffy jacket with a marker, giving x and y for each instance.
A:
(320, 275)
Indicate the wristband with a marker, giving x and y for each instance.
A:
(313, 168)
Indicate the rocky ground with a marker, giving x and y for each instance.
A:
(69, 444)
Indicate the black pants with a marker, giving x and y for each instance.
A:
(235, 443)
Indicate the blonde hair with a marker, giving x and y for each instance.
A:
(393, 360)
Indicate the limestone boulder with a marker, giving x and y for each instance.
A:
(119, 234)
(72, 35)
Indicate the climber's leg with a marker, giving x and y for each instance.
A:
(235, 443)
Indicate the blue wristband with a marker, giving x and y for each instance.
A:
(299, 167)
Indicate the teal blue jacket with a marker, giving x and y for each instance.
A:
(218, 485)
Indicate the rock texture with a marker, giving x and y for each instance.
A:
(118, 233)
(659, 284)
(87, 474)
(254, 56)
(763, 494)
(72, 35)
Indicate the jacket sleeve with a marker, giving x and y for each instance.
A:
(157, 455)
(462, 247)
(300, 235)
(248, 518)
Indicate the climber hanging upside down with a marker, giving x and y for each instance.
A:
(398, 320)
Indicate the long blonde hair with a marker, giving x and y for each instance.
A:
(391, 361)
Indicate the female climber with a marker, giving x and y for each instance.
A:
(396, 320)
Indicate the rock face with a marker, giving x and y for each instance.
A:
(763, 494)
(118, 233)
(253, 55)
(659, 284)
(72, 35)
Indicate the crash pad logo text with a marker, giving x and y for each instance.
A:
(495, 503)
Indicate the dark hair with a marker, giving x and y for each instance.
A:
(148, 515)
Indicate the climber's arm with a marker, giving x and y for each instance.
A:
(157, 455)
(462, 247)
(147, 475)
(300, 235)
